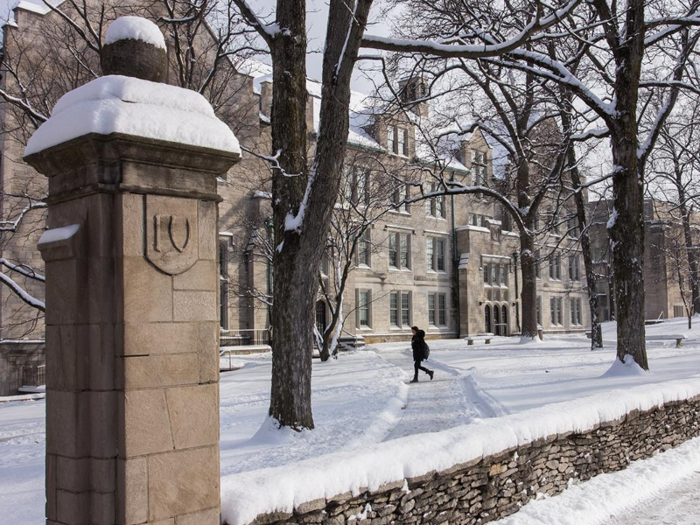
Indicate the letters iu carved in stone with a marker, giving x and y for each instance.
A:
(172, 237)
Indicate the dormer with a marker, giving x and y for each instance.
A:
(413, 91)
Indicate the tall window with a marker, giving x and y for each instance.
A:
(555, 308)
(394, 308)
(357, 185)
(400, 309)
(435, 206)
(405, 308)
(400, 251)
(572, 227)
(364, 299)
(495, 274)
(362, 185)
(391, 139)
(404, 249)
(435, 254)
(437, 309)
(479, 168)
(223, 285)
(364, 250)
(399, 195)
(574, 268)
(555, 268)
(576, 317)
(403, 142)
(539, 310)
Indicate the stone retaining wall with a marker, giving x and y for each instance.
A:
(493, 487)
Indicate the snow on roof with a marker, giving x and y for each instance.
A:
(40, 9)
(135, 28)
(119, 104)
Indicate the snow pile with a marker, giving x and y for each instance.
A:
(249, 494)
(625, 369)
(135, 28)
(131, 106)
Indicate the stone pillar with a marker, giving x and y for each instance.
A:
(132, 414)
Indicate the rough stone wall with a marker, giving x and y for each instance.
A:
(493, 487)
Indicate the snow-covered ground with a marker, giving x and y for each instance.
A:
(364, 399)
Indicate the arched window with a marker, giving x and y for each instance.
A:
(504, 320)
(487, 318)
(496, 320)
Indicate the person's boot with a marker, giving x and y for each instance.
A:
(431, 374)
(414, 380)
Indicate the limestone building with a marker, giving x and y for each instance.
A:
(448, 264)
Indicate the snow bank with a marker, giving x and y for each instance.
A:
(119, 104)
(249, 494)
(135, 28)
(595, 501)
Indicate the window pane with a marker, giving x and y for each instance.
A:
(440, 249)
(405, 309)
(405, 261)
(393, 308)
(431, 309)
(393, 253)
(429, 253)
(364, 308)
(442, 309)
(402, 142)
(390, 145)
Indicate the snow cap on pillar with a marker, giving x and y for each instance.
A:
(131, 101)
(134, 47)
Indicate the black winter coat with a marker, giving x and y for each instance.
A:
(418, 345)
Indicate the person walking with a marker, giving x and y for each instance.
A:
(420, 353)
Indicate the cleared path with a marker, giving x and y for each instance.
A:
(442, 403)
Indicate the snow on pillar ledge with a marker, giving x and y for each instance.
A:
(131, 295)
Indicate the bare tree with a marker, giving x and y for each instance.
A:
(303, 194)
(626, 54)
(675, 178)
(207, 43)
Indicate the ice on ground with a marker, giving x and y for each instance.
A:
(135, 28)
(136, 107)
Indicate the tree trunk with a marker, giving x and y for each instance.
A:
(302, 204)
(585, 240)
(626, 226)
(295, 281)
(528, 295)
(688, 238)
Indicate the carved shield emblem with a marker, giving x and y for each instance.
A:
(172, 236)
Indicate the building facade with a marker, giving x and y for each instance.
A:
(448, 263)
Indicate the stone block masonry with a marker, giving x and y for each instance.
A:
(132, 404)
(490, 488)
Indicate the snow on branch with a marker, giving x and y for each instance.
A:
(25, 270)
(268, 32)
(21, 293)
(490, 48)
(11, 226)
